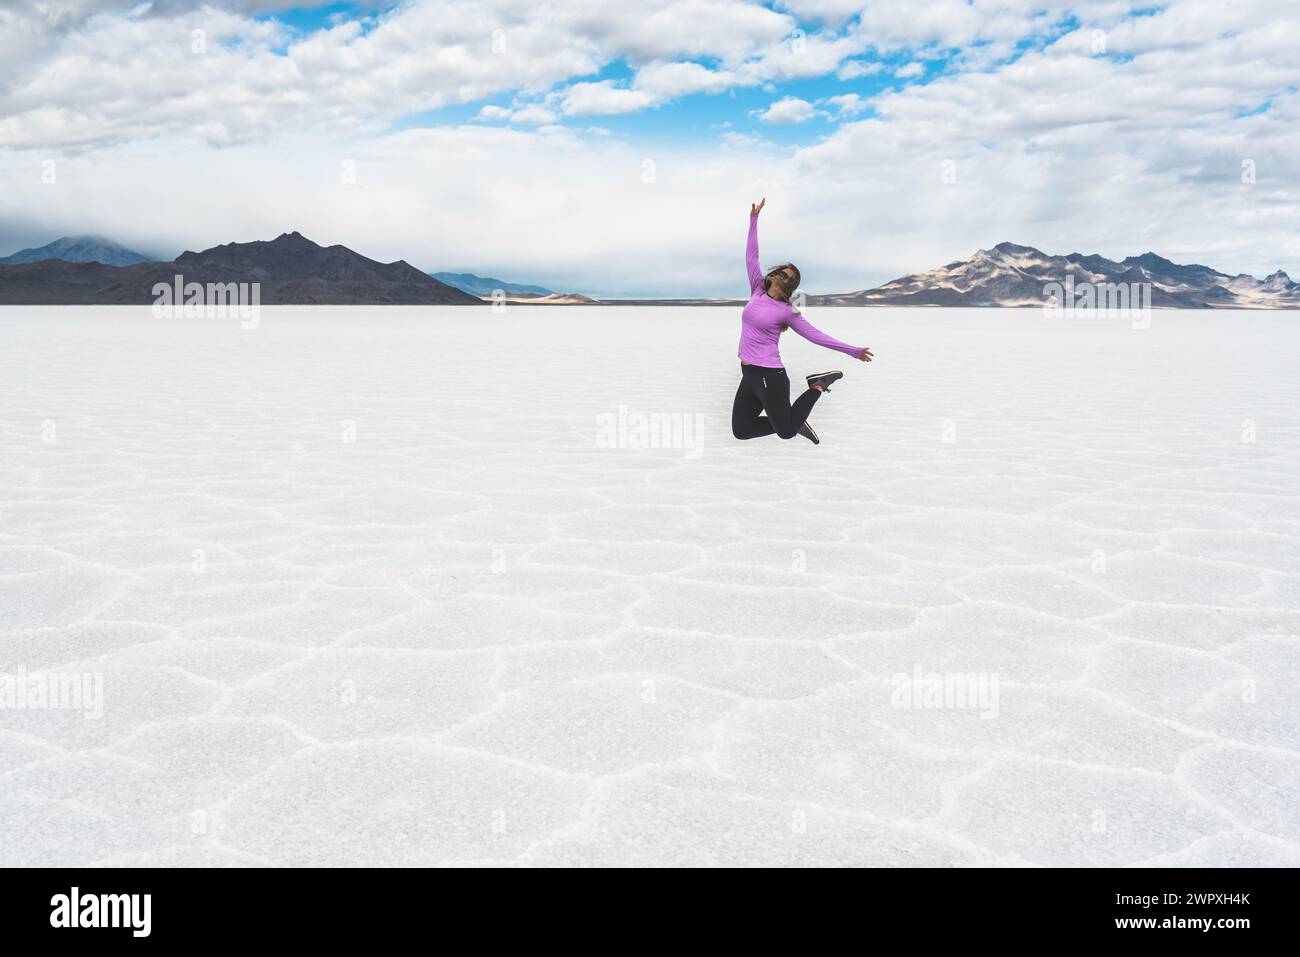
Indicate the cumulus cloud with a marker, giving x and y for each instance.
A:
(729, 30)
(848, 104)
(665, 80)
(121, 78)
(950, 24)
(533, 114)
(603, 99)
(87, 73)
(789, 109)
(829, 12)
(856, 69)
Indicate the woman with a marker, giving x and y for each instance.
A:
(764, 386)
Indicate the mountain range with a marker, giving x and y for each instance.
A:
(290, 269)
(485, 286)
(294, 270)
(79, 249)
(1011, 275)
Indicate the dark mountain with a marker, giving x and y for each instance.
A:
(79, 249)
(1012, 275)
(486, 286)
(291, 269)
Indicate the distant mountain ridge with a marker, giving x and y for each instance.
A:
(486, 285)
(553, 299)
(291, 270)
(1012, 275)
(79, 249)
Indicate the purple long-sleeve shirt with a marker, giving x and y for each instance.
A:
(764, 318)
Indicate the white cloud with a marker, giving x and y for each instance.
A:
(947, 24)
(749, 142)
(789, 109)
(603, 99)
(117, 79)
(912, 69)
(731, 30)
(533, 114)
(665, 80)
(854, 69)
(830, 12)
(848, 104)
(103, 77)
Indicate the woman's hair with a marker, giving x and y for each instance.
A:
(767, 281)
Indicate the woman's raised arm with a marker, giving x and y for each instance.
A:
(751, 249)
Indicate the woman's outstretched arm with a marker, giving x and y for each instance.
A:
(751, 249)
(810, 332)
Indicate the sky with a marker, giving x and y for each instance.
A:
(614, 148)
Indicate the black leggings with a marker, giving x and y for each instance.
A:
(768, 390)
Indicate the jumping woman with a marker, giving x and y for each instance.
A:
(764, 386)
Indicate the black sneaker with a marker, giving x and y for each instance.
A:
(807, 432)
(824, 379)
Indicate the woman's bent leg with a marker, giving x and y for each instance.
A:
(746, 420)
(802, 408)
(785, 419)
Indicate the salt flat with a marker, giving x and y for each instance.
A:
(413, 586)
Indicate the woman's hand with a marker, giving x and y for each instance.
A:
(756, 208)
(866, 355)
